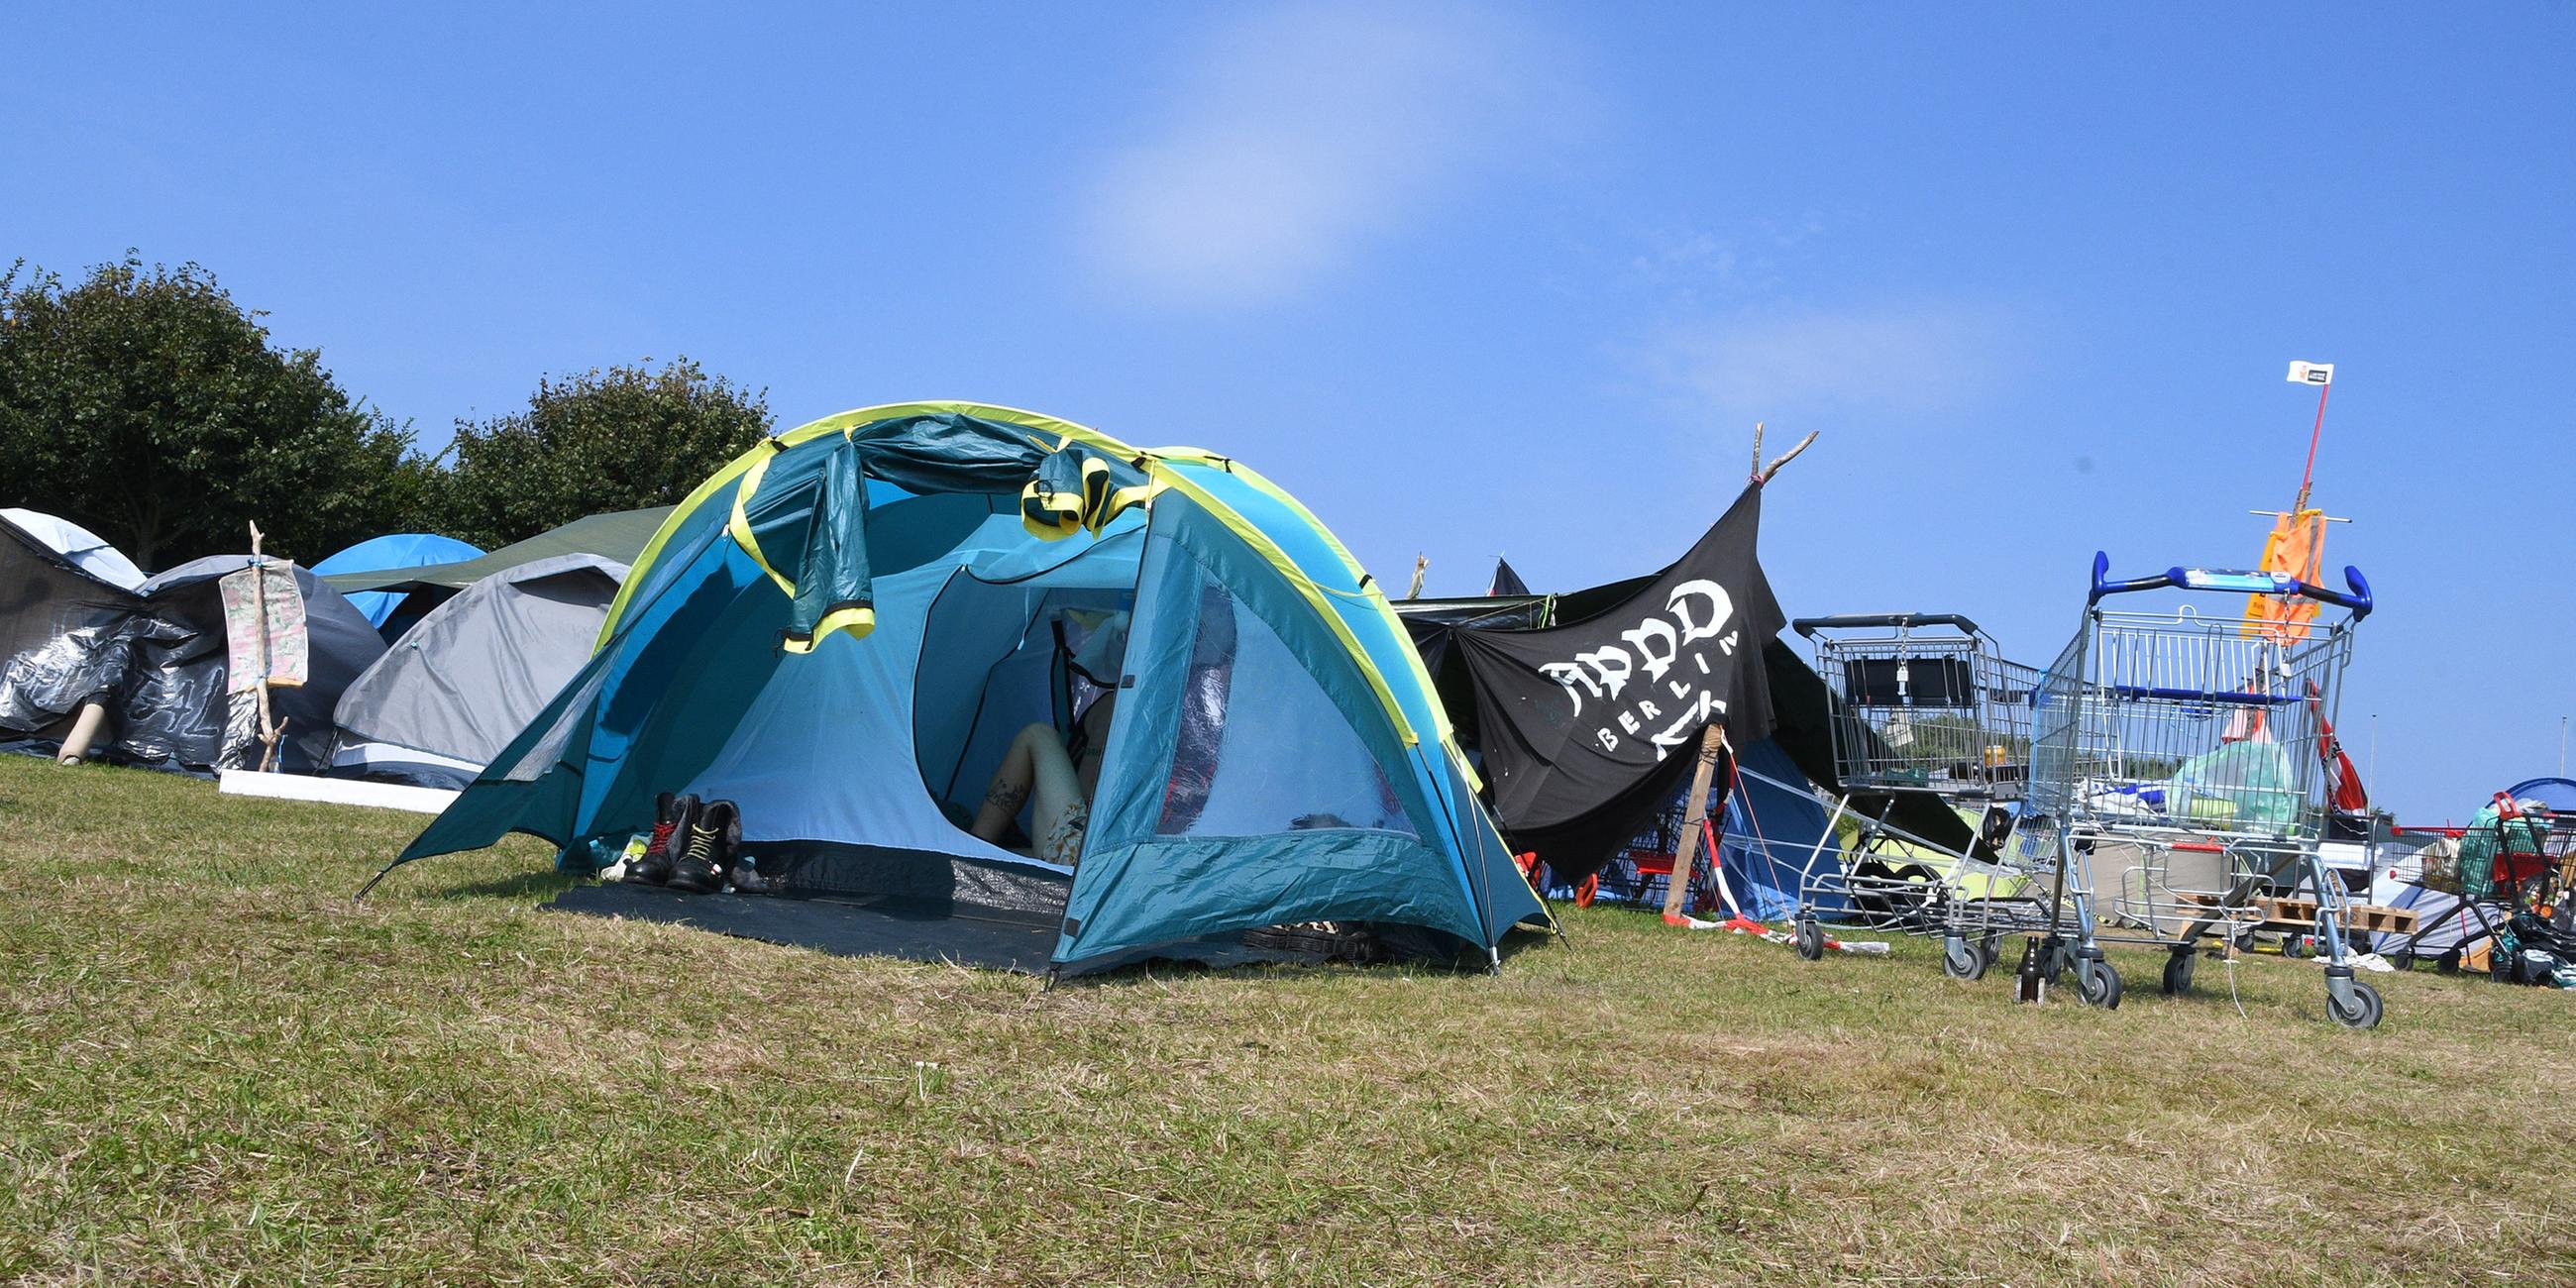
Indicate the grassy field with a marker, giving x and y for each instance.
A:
(216, 1068)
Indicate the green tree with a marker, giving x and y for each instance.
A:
(145, 405)
(619, 439)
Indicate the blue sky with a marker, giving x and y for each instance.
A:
(1472, 280)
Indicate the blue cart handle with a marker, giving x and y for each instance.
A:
(2232, 581)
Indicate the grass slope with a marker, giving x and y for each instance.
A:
(216, 1068)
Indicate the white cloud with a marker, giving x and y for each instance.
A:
(1297, 136)
(1910, 359)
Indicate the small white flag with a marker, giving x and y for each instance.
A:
(2311, 373)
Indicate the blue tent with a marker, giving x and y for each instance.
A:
(2559, 794)
(844, 629)
(400, 550)
(1772, 825)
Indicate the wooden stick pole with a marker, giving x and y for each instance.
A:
(1712, 744)
(259, 614)
(1764, 476)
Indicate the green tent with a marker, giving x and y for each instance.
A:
(619, 537)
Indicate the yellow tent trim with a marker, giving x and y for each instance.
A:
(739, 527)
(858, 620)
(1158, 464)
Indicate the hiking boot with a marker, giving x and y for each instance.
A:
(670, 822)
(713, 833)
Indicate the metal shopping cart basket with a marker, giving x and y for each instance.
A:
(2177, 793)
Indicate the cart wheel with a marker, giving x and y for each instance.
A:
(2293, 947)
(1962, 960)
(1809, 938)
(2365, 1011)
(2401, 959)
(1590, 890)
(2178, 972)
(2448, 963)
(1991, 948)
(2098, 984)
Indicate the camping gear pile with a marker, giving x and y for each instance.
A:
(2493, 896)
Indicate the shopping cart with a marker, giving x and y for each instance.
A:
(1924, 707)
(2177, 795)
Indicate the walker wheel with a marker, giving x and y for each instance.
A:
(1963, 960)
(1808, 938)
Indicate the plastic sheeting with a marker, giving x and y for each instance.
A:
(156, 656)
(86, 550)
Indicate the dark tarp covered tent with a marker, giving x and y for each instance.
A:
(1597, 810)
(1586, 725)
(843, 630)
(156, 657)
(469, 676)
(182, 682)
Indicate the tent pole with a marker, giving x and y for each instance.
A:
(1712, 743)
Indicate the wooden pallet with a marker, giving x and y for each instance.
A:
(2358, 918)
(2293, 916)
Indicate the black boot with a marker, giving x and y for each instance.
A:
(670, 832)
(714, 832)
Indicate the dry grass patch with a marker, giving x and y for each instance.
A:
(214, 1067)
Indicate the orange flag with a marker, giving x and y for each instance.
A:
(2296, 547)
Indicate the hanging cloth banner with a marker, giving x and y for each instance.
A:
(281, 653)
(1589, 719)
(2296, 547)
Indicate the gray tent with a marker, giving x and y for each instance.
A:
(456, 688)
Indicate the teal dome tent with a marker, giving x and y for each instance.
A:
(843, 630)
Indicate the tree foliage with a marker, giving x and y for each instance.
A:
(618, 439)
(147, 406)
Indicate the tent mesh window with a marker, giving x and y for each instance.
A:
(1261, 748)
(993, 663)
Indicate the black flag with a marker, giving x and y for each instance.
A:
(1586, 728)
(1506, 582)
